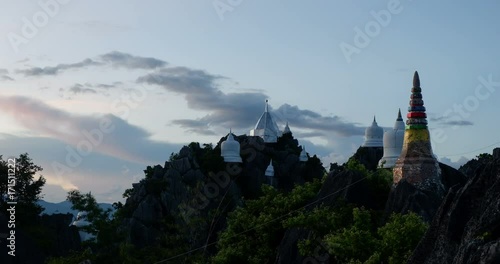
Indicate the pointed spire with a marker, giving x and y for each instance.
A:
(416, 112)
(400, 118)
(416, 80)
(374, 120)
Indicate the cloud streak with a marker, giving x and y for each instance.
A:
(450, 121)
(236, 110)
(114, 59)
(121, 139)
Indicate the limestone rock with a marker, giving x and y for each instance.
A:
(466, 228)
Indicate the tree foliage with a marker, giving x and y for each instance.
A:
(26, 190)
(254, 231)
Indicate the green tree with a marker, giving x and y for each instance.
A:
(98, 218)
(353, 243)
(254, 231)
(25, 188)
(400, 236)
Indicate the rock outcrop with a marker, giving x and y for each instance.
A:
(405, 197)
(345, 185)
(196, 183)
(466, 228)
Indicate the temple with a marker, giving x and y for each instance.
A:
(373, 135)
(303, 154)
(266, 127)
(230, 149)
(417, 164)
(287, 130)
(80, 222)
(393, 143)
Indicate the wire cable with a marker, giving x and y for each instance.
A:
(265, 223)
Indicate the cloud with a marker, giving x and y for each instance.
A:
(6, 78)
(80, 89)
(114, 59)
(236, 110)
(109, 134)
(37, 71)
(450, 121)
(194, 126)
(124, 60)
(97, 172)
(3, 71)
(107, 86)
(458, 123)
(325, 125)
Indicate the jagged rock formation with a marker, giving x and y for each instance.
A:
(419, 180)
(345, 185)
(369, 156)
(405, 197)
(196, 183)
(466, 228)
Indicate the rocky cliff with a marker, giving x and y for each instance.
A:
(405, 197)
(195, 189)
(466, 227)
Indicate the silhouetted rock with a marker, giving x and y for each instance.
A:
(466, 228)
(369, 156)
(405, 197)
(197, 181)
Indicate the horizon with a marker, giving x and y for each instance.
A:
(95, 96)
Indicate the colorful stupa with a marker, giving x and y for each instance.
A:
(417, 165)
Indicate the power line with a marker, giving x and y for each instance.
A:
(263, 224)
(452, 155)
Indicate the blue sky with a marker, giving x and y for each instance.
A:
(159, 74)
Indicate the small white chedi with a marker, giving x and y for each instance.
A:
(373, 135)
(230, 149)
(393, 143)
(81, 221)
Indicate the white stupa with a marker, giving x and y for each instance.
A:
(393, 143)
(271, 180)
(81, 221)
(374, 135)
(286, 130)
(270, 170)
(266, 128)
(230, 149)
(303, 155)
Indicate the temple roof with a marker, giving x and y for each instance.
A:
(373, 135)
(266, 127)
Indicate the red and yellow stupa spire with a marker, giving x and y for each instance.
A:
(417, 165)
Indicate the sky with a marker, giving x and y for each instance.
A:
(95, 91)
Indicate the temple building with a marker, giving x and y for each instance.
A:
(266, 127)
(303, 154)
(287, 130)
(271, 180)
(417, 164)
(393, 143)
(230, 149)
(81, 221)
(373, 135)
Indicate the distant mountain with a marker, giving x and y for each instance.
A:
(64, 207)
